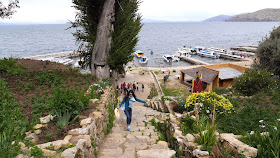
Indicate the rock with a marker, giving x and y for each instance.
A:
(75, 139)
(22, 145)
(34, 138)
(79, 131)
(38, 126)
(67, 138)
(156, 153)
(70, 153)
(37, 131)
(177, 133)
(48, 153)
(86, 121)
(56, 144)
(94, 101)
(189, 137)
(199, 153)
(46, 119)
(27, 133)
(20, 156)
(163, 144)
(97, 114)
(242, 148)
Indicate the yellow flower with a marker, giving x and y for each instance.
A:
(71, 144)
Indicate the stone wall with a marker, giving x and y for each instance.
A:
(227, 143)
(80, 142)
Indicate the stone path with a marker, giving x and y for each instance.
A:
(141, 140)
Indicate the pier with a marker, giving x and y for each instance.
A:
(192, 60)
(59, 54)
(245, 48)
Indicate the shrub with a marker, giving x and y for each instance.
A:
(64, 99)
(268, 145)
(208, 99)
(9, 66)
(36, 152)
(179, 105)
(253, 81)
(268, 52)
(244, 120)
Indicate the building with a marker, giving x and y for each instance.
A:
(213, 76)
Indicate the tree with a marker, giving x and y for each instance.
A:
(107, 33)
(253, 81)
(268, 53)
(6, 12)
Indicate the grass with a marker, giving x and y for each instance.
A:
(13, 123)
(153, 92)
(175, 91)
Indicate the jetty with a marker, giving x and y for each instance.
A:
(191, 60)
(245, 48)
(55, 55)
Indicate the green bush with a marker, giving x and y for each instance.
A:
(13, 122)
(179, 105)
(244, 120)
(65, 99)
(9, 66)
(268, 145)
(253, 81)
(36, 152)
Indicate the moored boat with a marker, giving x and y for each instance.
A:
(143, 60)
(139, 53)
(170, 58)
(209, 54)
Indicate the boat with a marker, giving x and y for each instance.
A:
(209, 54)
(143, 60)
(62, 60)
(186, 52)
(139, 53)
(198, 48)
(170, 58)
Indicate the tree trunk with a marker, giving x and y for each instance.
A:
(102, 45)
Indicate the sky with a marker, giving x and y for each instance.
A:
(60, 11)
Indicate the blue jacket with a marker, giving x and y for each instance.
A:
(126, 102)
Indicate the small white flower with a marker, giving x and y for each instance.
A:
(261, 121)
(275, 128)
(278, 119)
(262, 126)
(207, 111)
(252, 132)
(201, 104)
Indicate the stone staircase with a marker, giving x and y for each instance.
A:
(141, 141)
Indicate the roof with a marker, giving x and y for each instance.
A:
(208, 75)
(228, 73)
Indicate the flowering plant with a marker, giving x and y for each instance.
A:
(208, 99)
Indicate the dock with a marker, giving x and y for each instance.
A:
(192, 60)
(245, 48)
(233, 57)
(59, 54)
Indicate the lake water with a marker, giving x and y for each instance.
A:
(162, 38)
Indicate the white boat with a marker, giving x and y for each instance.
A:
(209, 54)
(139, 53)
(198, 48)
(62, 60)
(170, 58)
(143, 60)
(186, 51)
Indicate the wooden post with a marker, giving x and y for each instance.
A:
(214, 115)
